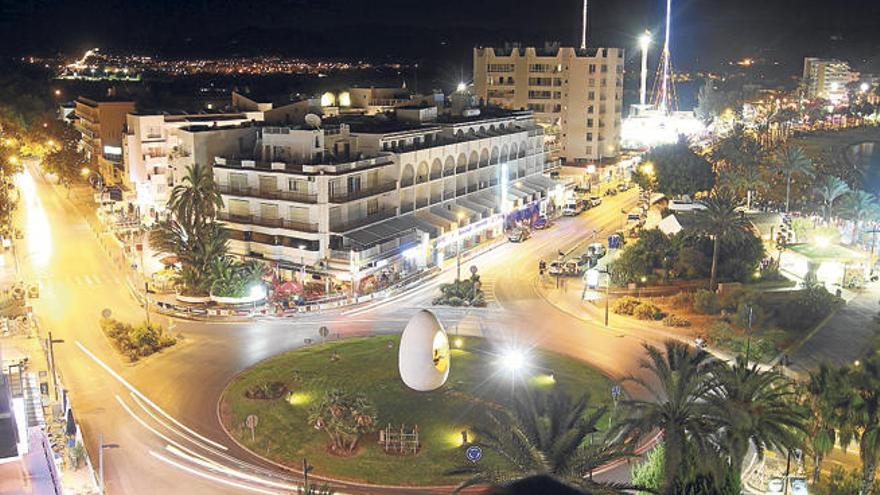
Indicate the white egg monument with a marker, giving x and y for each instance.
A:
(423, 357)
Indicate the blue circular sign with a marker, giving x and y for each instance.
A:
(474, 453)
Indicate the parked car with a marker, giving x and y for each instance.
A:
(519, 234)
(567, 268)
(610, 192)
(595, 201)
(634, 217)
(774, 485)
(573, 207)
(542, 223)
(596, 250)
(798, 486)
(623, 186)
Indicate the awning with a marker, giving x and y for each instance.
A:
(544, 183)
(383, 231)
(440, 222)
(442, 212)
(484, 211)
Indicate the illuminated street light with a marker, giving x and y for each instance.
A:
(822, 241)
(85, 171)
(13, 160)
(648, 168)
(461, 88)
(257, 292)
(513, 361)
(864, 87)
(57, 92)
(645, 40)
(50, 143)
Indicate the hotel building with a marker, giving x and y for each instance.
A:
(367, 198)
(577, 96)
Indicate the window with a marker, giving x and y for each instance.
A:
(589, 136)
(540, 68)
(589, 122)
(591, 95)
(268, 211)
(591, 82)
(591, 69)
(500, 67)
(354, 184)
(299, 214)
(557, 108)
(590, 109)
(540, 95)
(372, 207)
(238, 182)
(536, 107)
(239, 207)
(557, 95)
(540, 81)
(604, 68)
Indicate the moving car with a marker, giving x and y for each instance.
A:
(519, 234)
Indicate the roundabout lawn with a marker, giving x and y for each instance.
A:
(368, 366)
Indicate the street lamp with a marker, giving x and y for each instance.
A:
(648, 168)
(302, 267)
(84, 172)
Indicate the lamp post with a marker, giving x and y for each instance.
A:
(644, 42)
(302, 266)
(458, 247)
(749, 335)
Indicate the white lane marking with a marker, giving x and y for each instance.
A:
(224, 456)
(155, 431)
(231, 472)
(212, 477)
(144, 397)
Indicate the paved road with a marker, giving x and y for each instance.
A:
(161, 412)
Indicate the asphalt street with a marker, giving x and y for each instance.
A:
(160, 414)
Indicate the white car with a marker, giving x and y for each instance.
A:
(774, 486)
(595, 201)
(798, 486)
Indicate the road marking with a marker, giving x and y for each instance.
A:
(211, 476)
(144, 397)
(153, 430)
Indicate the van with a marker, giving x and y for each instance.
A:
(634, 216)
(572, 208)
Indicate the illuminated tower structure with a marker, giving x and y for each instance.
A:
(584, 27)
(664, 97)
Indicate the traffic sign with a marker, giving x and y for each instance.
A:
(615, 392)
(474, 453)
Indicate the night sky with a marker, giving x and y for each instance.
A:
(705, 32)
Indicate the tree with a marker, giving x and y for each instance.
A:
(792, 161)
(191, 232)
(546, 433)
(678, 170)
(649, 473)
(677, 408)
(738, 158)
(820, 397)
(720, 220)
(857, 205)
(756, 408)
(830, 189)
(864, 417)
(344, 417)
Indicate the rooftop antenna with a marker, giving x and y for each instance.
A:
(584, 27)
(664, 84)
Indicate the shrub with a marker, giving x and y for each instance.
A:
(266, 391)
(807, 307)
(460, 293)
(136, 341)
(706, 302)
(842, 481)
(626, 305)
(682, 300)
(647, 311)
(676, 321)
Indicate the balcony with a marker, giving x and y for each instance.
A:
(255, 192)
(380, 188)
(268, 222)
(346, 226)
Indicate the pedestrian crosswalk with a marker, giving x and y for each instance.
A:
(76, 280)
(487, 285)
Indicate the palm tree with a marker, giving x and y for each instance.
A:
(546, 434)
(742, 179)
(756, 407)
(857, 205)
(819, 399)
(721, 220)
(677, 406)
(864, 417)
(196, 199)
(830, 189)
(791, 161)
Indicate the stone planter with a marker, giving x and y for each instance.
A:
(193, 299)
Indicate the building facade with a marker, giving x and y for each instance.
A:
(101, 124)
(577, 96)
(827, 79)
(374, 199)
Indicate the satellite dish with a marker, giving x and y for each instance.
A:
(313, 120)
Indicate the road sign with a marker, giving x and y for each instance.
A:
(105, 313)
(473, 269)
(474, 453)
(615, 392)
(323, 332)
(251, 422)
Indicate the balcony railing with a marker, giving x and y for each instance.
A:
(268, 222)
(255, 192)
(363, 193)
(345, 226)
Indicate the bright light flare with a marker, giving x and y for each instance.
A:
(822, 241)
(645, 40)
(514, 361)
(461, 88)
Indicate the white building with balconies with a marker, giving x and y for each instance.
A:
(370, 199)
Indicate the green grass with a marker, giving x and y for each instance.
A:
(367, 366)
(831, 252)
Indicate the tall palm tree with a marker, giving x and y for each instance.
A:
(677, 407)
(549, 434)
(721, 220)
(819, 398)
(830, 189)
(865, 417)
(791, 161)
(741, 180)
(857, 204)
(196, 199)
(757, 410)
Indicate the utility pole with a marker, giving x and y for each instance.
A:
(306, 469)
(101, 462)
(147, 301)
(51, 348)
(749, 335)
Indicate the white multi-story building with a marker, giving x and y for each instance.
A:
(827, 79)
(367, 198)
(576, 95)
(157, 149)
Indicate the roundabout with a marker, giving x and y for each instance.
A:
(284, 392)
